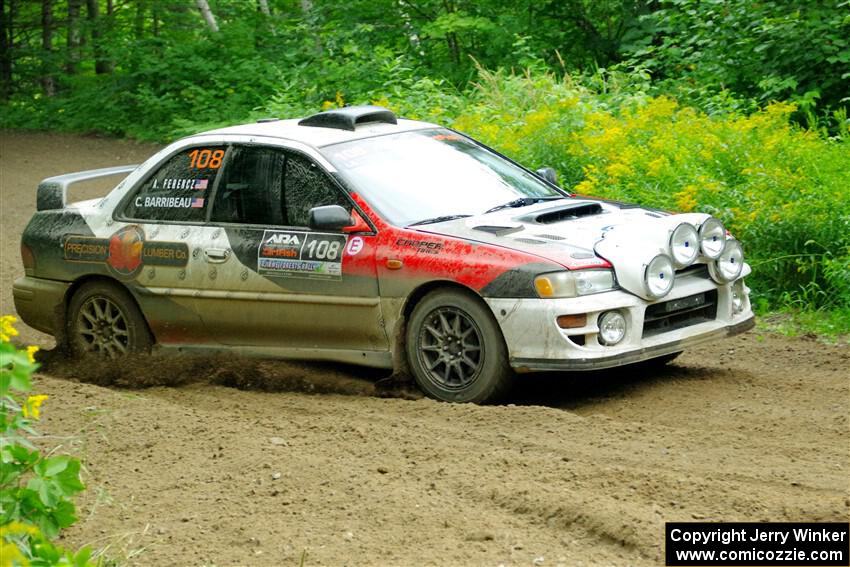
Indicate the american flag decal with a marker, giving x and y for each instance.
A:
(198, 203)
(201, 183)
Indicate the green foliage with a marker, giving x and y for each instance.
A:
(766, 51)
(779, 188)
(35, 489)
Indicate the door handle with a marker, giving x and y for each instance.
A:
(216, 255)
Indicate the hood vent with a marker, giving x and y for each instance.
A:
(529, 241)
(549, 236)
(499, 230)
(564, 213)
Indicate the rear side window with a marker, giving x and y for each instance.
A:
(180, 188)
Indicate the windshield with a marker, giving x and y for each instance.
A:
(415, 176)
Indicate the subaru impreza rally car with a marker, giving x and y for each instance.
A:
(354, 236)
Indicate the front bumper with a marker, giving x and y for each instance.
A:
(39, 302)
(536, 343)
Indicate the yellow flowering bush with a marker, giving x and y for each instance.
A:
(781, 189)
(35, 490)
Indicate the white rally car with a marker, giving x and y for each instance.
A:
(355, 236)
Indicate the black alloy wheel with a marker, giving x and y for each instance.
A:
(455, 348)
(103, 320)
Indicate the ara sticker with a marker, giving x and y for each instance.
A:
(301, 254)
(125, 252)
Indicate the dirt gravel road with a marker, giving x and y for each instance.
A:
(259, 463)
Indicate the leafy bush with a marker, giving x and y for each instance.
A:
(752, 49)
(35, 489)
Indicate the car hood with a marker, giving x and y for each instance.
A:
(577, 233)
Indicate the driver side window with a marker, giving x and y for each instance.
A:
(308, 186)
(272, 187)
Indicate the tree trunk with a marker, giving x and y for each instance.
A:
(139, 23)
(73, 36)
(204, 7)
(48, 80)
(101, 64)
(264, 7)
(5, 50)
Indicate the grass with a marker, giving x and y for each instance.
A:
(829, 326)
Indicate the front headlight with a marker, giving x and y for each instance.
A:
(573, 284)
(730, 263)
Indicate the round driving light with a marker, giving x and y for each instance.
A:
(684, 245)
(658, 278)
(712, 238)
(730, 263)
(612, 328)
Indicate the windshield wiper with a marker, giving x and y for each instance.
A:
(439, 219)
(521, 202)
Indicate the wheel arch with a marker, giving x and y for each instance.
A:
(83, 280)
(400, 366)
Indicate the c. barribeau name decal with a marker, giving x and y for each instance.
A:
(170, 202)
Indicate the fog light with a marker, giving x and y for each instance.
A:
(612, 328)
(684, 245)
(712, 236)
(658, 276)
(730, 263)
(738, 296)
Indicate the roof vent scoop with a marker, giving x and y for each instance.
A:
(349, 117)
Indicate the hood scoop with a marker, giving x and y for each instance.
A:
(499, 230)
(563, 213)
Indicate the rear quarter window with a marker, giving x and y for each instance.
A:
(179, 190)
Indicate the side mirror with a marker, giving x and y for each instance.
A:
(548, 174)
(329, 217)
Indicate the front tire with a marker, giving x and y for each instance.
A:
(104, 320)
(455, 349)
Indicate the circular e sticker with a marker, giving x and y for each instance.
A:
(355, 245)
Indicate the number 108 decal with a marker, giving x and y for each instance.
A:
(301, 254)
(316, 249)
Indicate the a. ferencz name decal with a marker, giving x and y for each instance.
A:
(301, 254)
(126, 251)
(169, 183)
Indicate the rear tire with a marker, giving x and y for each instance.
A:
(455, 349)
(104, 320)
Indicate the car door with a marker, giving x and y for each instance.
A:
(159, 228)
(279, 284)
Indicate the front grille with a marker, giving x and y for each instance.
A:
(679, 313)
(694, 270)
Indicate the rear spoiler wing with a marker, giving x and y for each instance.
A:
(53, 192)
